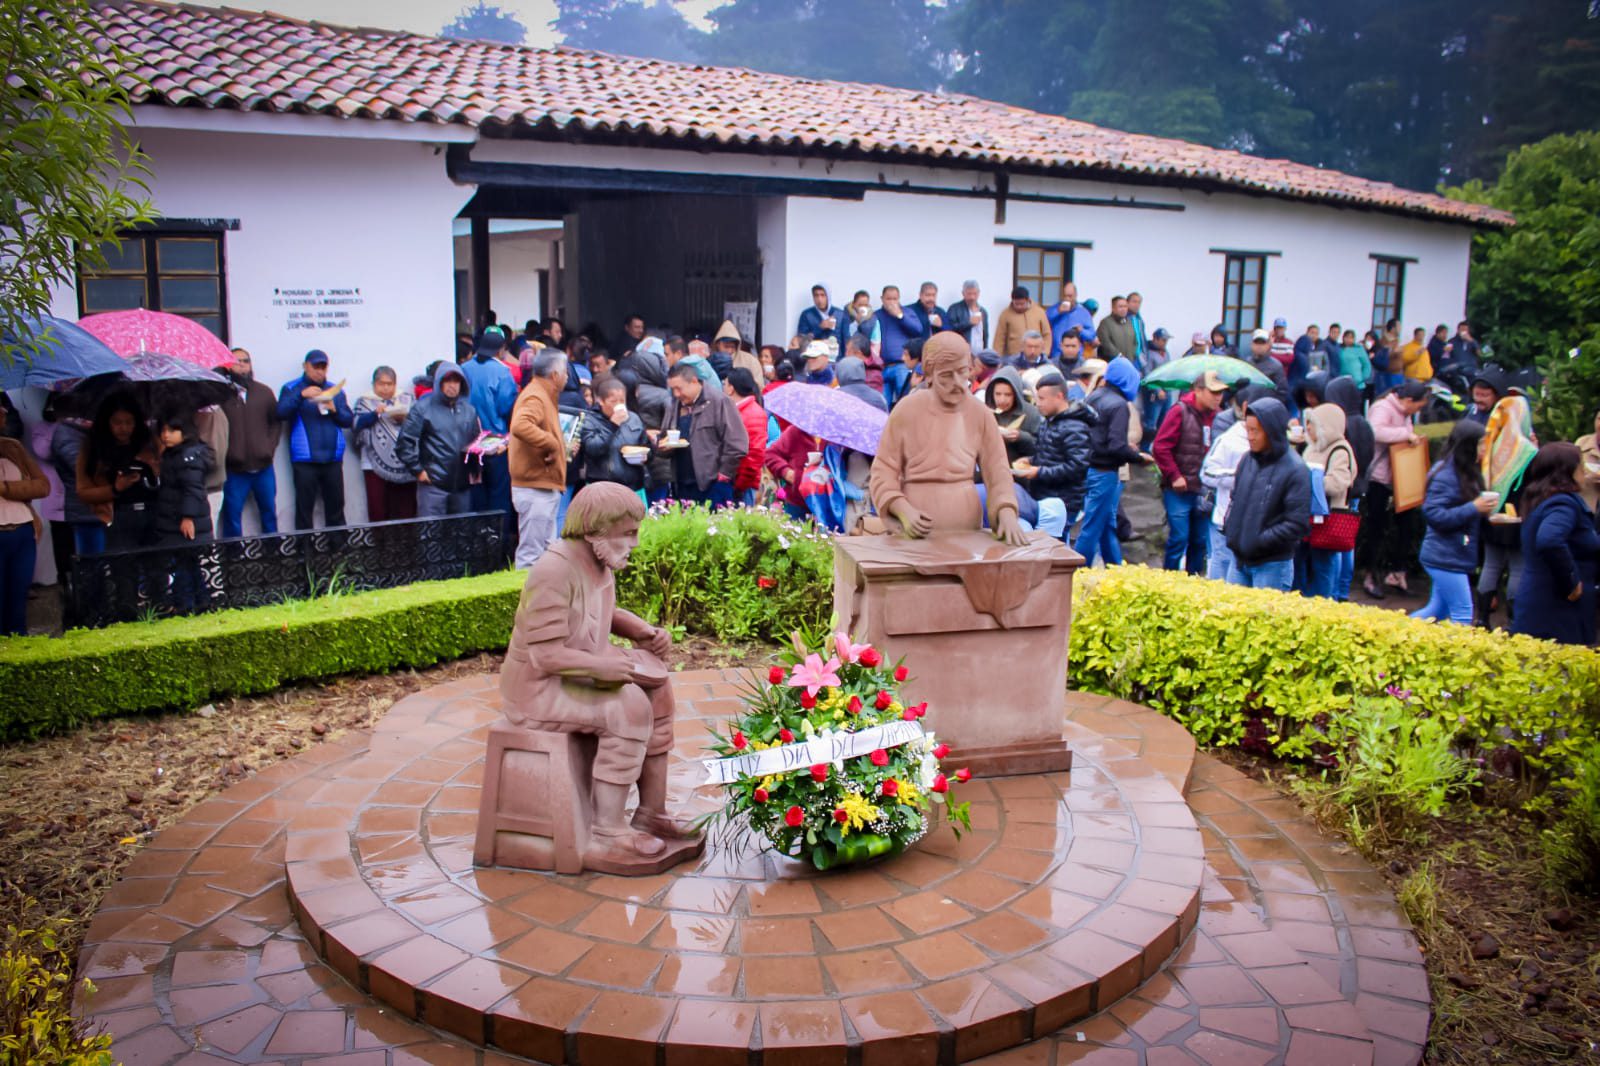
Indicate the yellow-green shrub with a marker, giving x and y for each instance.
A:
(36, 1023)
(1213, 656)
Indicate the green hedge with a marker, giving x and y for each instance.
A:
(1236, 664)
(47, 685)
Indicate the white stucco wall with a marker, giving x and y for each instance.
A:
(319, 212)
(1324, 273)
(515, 260)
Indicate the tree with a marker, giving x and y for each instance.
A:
(1534, 293)
(888, 42)
(653, 29)
(484, 22)
(69, 171)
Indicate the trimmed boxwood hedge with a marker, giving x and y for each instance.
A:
(48, 685)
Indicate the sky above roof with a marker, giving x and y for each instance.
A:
(430, 16)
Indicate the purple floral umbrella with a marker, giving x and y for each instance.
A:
(835, 416)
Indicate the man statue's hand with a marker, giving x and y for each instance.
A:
(612, 670)
(915, 523)
(658, 643)
(1006, 529)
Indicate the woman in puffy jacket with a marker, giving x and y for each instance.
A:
(1454, 508)
(1560, 549)
(183, 511)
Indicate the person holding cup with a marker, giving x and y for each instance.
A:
(822, 320)
(1454, 508)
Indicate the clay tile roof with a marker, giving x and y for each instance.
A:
(244, 60)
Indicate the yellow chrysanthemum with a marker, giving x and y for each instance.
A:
(908, 794)
(860, 810)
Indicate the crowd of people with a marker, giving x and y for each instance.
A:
(1263, 485)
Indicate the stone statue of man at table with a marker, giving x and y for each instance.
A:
(922, 476)
(563, 674)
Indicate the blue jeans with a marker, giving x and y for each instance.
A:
(1322, 573)
(1278, 575)
(746, 497)
(1097, 538)
(561, 507)
(1451, 598)
(1346, 576)
(89, 537)
(1154, 411)
(18, 551)
(263, 485)
(1220, 567)
(1187, 531)
(493, 493)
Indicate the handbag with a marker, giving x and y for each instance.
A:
(1334, 531)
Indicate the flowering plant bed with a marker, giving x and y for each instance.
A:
(826, 763)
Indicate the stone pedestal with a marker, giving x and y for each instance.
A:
(983, 628)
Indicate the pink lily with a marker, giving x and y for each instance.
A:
(850, 653)
(814, 675)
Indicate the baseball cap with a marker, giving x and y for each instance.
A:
(1211, 381)
(1162, 333)
(989, 357)
(317, 357)
(1199, 338)
(817, 350)
(1090, 368)
(1284, 322)
(1261, 335)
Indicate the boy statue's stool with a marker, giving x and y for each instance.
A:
(536, 805)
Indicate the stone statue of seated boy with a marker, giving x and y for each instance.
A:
(563, 674)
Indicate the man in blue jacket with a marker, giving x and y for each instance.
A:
(1065, 315)
(898, 327)
(822, 320)
(493, 394)
(316, 445)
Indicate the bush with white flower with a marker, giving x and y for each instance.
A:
(827, 764)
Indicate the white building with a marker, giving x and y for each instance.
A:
(370, 193)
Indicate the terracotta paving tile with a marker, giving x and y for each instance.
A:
(618, 966)
(698, 975)
(1401, 1019)
(1149, 1023)
(713, 1034)
(479, 930)
(941, 955)
(1004, 934)
(1312, 937)
(895, 1029)
(626, 923)
(776, 936)
(1215, 1049)
(623, 1028)
(155, 1045)
(857, 928)
(1294, 985)
(458, 1001)
(926, 912)
(705, 894)
(1212, 986)
(308, 1033)
(393, 976)
(802, 1034)
(859, 972)
(235, 1032)
(1058, 993)
(1092, 1055)
(627, 889)
(1395, 945)
(533, 1020)
(979, 890)
(985, 1017)
(1263, 1025)
(193, 1005)
(1317, 1049)
(782, 977)
(1259, 949)
(550, 903)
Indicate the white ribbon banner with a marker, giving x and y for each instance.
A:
(831, 747)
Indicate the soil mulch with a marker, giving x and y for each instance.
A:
(75, 808)
(1513, 964)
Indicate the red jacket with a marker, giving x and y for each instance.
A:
(1180, 444)
(754, 417)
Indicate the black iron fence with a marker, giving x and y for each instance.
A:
(252, 571)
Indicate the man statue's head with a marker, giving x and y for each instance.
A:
(606, 516)
(947, 366)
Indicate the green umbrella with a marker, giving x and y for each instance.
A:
(1183, 373)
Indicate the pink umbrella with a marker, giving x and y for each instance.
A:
(130, 333)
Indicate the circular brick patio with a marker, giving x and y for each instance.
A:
(1068, 893)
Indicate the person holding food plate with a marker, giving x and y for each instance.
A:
(614, 446)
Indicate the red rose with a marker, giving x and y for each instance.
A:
(941, 750)
(794, 816)
(909, 714)
(775, 676)
(883, 701)
(765, 582)
(890, 787)
(940, 784)
(819, 772)
(785, 736)
(841, 816)
(901, 673)
(761, 795)
(855, 704)
(871, 658)
(921, 708)
(963, 775)
(808, 701)
(879, 758)
(738, 740)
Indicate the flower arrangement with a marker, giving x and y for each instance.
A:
(827, 763)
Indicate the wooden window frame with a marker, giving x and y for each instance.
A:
(1382, 311)
(1241, 328)
(150, 238)
(1034, 282)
